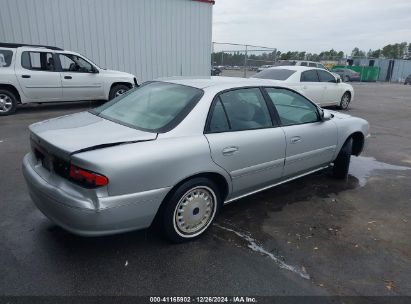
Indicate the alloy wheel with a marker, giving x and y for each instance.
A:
(345, 101)
(120, 92)
(6, 103)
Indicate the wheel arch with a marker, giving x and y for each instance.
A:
(130, 85)
(358, 143)
(12, 89)
(217, 178)
(347, 91)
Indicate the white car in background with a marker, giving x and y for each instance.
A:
(35, 73)
(264, 67)
(319, 85)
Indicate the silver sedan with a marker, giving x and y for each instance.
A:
(178, 150)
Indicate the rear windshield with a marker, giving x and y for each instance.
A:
(276, 74)
(154, 107)
(5, 58)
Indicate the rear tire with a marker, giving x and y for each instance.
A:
(117, 90)
(190, 210)
(345, 101)
(342, 162)
(8, 103)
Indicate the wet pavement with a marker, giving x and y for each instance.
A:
(312, 236)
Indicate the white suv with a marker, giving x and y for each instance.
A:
(33, 73)
(311, 64)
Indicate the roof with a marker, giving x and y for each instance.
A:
(17, 45)
(298, 68)
(213, 81)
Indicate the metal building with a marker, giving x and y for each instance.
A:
(392, 70)
(148, 38)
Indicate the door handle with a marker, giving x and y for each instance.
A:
(295, 139)
(230, 150)
(25, 76)
(68, 77)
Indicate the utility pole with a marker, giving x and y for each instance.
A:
(245, 61)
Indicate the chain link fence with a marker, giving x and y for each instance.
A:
(241, 60)
(244, 60)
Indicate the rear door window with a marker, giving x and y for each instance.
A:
(218, 121)
(309, 76)
(245, 109)
(5, 58)
(38, 61)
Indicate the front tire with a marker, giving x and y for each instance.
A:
(8, 103)
(342, 162)
(345, 101)
(117, 90)
(190, 210)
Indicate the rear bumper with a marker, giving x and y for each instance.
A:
(125, 212)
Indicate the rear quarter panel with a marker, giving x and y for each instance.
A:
(144, 166)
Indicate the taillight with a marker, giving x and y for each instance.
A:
(87, 178)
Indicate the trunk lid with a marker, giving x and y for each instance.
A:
(74, 133)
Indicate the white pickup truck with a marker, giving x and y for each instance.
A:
(35, 73)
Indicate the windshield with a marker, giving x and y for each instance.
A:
(275, 74)
(5, 58)
(153, 107)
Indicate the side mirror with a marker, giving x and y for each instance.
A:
(325, 115)
(338, 80)
(95, 71)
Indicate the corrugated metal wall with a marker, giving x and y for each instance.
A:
(400, 71)
(149, 38)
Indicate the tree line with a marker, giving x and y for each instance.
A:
(392, 51)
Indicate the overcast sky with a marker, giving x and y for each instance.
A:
(313, 25)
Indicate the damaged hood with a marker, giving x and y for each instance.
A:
(83, 131)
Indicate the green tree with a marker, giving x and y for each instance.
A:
(376, 54)
(356, 52)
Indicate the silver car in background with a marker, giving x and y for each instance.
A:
(179, 149)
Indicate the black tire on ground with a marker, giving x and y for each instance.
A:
(117, 90)
(342, 162)
(8, 102)
(345, 101)
(346, 78)
(174, 209)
